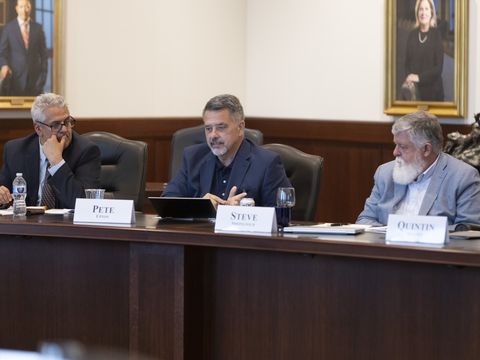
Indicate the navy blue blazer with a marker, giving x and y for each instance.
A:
(257, 171)
(29, 66)
(80, 171)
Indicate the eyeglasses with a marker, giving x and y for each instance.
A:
(57, 126)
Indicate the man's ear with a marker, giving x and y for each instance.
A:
(36, 127)
(241, 127)
(427, 150)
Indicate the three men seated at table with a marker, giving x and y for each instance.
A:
(228, 167)
(56, 162)
(422, 180)
(59, 165)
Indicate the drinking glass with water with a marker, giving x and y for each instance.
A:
(285, 203)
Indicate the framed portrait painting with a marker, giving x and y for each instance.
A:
(29, 50)
(426, 57)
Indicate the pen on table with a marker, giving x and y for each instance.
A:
(338, 224)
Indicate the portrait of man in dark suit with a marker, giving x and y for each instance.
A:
(23, 54)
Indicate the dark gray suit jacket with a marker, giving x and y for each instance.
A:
(454, 192)
(257, 171)
(80, 171)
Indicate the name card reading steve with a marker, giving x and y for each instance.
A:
(104, 211)
(416, 229)
(245, 219)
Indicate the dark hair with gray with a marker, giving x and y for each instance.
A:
(226, 101)
(44, 102)
(421, 127)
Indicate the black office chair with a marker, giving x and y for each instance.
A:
(124, 165)
(305, 173)
(196, 135)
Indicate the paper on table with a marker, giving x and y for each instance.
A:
(8, 211)
(377, 229)
(330, 228)
(58, 211)
(19, 354)
(468, 234)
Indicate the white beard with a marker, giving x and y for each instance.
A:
(219, 152)
(404, 174)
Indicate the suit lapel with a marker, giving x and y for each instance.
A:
(239, 170)
(33, 34)
(67, 153)
(18, 35)
(207, 169)
(32, 170)
(240, 167)
(431, 194)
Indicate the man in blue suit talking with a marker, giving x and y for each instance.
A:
(423, 180)
(23, 54)
(228, 167)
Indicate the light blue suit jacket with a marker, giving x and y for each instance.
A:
(454, 192)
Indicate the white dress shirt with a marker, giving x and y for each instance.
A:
(416, 190)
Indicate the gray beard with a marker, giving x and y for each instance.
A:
(219, 152)
(405, 174)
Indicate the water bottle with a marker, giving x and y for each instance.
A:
(19, 194)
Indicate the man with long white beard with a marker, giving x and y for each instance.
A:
(422, 180)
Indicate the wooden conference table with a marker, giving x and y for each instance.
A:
(180, 291)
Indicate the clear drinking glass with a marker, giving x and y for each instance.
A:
(94, 193)
(285, 203)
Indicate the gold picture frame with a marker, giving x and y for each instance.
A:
(48, 15)
(452, 25)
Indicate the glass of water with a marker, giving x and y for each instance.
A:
(285, 203)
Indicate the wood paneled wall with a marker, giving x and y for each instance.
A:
(352, 150)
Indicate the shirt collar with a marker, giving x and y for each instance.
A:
(21, 22)
(427, 174)
(42, 155)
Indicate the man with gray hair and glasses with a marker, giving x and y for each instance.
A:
(228, 166)
(422, 180)
(56, 162)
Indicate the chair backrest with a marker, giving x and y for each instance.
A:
(305, 173)
(196, 135)
(124, 166)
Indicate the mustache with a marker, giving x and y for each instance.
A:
(216, 142)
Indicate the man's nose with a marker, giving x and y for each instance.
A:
(396, 152)
(62, 129)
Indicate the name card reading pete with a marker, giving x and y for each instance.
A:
(425, 230)
(245, 219)
(104, 211)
